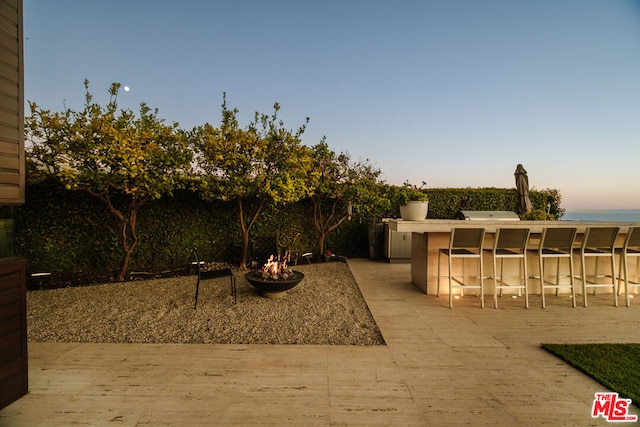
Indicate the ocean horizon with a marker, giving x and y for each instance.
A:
(615, 215)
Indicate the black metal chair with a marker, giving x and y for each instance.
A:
(213, 274)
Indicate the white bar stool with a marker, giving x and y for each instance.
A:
(465, 243)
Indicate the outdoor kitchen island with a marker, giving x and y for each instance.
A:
(429, 236)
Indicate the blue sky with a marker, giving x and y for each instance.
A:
(455, 93)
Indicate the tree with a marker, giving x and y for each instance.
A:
(260, 164)
(122, 159)
(341, 188)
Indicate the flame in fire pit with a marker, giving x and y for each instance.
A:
(275, 269)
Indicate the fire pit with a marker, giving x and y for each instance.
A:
(274, 279)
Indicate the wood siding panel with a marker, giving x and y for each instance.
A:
(9, 103)
(9, 148)
(9, 87)
(9, 8)
(9, 55)
(11, 178)
(10, 162)
(8, 43)
(8, 117)
(9, 133)
(10, 71)
(12, 167)
(9, 192)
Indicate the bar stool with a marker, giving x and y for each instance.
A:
(598, 242)
(465, 243)
(556, 242)
(510, 243)
(631, 248)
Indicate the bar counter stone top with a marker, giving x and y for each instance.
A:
(445, 225)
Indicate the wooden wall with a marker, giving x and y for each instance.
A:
(13, 314)
(13, 331)
(11, 103)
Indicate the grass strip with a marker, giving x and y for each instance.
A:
(615, 366)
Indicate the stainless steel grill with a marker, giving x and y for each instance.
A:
(488, 216)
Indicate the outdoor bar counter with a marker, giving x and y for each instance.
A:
(429, 236)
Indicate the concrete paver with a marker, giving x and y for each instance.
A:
(439, 367)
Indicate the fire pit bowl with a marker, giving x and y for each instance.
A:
(273, 288)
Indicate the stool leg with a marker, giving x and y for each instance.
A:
(613, 279)
(501, 273)
(557, 276)
(625, 272)
(438, 282)
(584, 281)
(520, 273)
(495, 281)
(450, 283)
(573, 288)
(542, 280)
(464, 280)
(596, 278)
(481, 281)
(526, 283)
(620, 270)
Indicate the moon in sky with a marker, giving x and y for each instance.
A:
(126, 88)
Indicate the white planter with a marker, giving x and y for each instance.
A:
(414, 211)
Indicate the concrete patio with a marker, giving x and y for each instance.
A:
(439, 367)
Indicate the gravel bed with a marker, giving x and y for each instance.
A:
(325, 308)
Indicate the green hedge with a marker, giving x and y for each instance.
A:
(72, 234)
(66, 232)
(447, 202)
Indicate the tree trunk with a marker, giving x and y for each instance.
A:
(324, 226)
(124, 266)
(321, 237)
(128, 245)
(245, 231)
(245, 248)
(128, 227)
